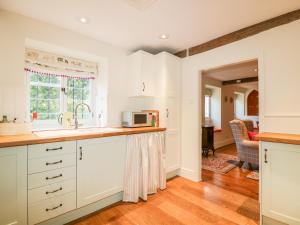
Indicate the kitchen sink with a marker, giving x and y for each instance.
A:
(71, 132)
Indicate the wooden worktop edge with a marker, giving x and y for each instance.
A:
(30, 139)
(280, 138)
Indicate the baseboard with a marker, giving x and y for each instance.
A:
(84, 211)
(222, 143)
(190, 174)
(173, 173)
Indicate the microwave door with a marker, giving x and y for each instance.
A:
(140, 120)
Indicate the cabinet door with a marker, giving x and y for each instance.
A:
(100, 167)
(173, 71)
(172, 150)
(148, 75)
(281, 182)
(13, 185)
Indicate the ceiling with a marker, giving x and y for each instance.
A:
(136, 24)
(233, 71)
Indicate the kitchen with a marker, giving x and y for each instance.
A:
(52, 173)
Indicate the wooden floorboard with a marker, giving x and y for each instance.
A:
(218, 200)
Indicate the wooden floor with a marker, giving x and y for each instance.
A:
(219, 199)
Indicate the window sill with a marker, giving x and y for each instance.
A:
(217, 130)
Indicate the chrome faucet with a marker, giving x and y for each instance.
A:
(76, 109)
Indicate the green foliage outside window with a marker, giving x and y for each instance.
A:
(48, 99)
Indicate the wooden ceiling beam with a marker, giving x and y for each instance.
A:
(243, 33)
(240, 81)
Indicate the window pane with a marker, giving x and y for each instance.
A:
(44, 79)
(207, 106)
(54, 106)
(33, 92)
(78, 91)
(43, 92)
(54, 93)
(45, 97)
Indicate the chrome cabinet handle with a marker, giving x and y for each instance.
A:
(50, 192)
(60, 205)
(266, 150)
(53, 149)
(53, 163)
(144, 86)
(167, 113)
(80, 153)
(50, 178)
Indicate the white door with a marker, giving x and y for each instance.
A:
(100, 167)
(281, 182)
(13, 185)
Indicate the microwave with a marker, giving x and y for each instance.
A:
(136, 119)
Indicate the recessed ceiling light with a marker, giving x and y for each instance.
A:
(255, 70)
(164, 36)
(83, 19)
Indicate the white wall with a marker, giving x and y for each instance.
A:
(278, 53)
(16, 29)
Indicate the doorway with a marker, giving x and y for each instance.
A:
(230, 109)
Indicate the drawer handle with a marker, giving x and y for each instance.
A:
(60, 205)
(53, 163)
(50, 178)
(50, 192)
(53, 149)
(266, 160)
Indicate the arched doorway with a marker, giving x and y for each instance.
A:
(252, 103)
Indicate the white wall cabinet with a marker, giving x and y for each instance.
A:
(13, 185)
(142, 74)
(100, 168)
(280, 182)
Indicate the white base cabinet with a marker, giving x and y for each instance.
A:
(100, 168)
(13, 185)
(280, 182)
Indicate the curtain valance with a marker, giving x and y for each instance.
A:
(50, 64)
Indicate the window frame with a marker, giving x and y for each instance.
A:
(63, 103)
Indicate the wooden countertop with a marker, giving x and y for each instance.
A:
(29, 139)
(279, 138)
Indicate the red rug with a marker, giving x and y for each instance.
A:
(219, 163)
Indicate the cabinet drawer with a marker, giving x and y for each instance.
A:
(51, 177)
(49, 163)
(51, 207)
(51, 190)
(51, 149)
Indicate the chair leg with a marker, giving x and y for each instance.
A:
(241, 163)
(250, 166)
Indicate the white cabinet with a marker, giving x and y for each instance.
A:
(51, 180)
(142, 74)
(100, 168)
(280, 182)
(13, 185)
(169, 82)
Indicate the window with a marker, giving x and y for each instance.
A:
(52, 95)
(207, 106)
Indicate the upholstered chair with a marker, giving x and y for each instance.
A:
(247, 151)
(249, 125)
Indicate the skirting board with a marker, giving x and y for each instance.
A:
(269, 221)
(190, 174)
(86, 210)
(222, 143)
